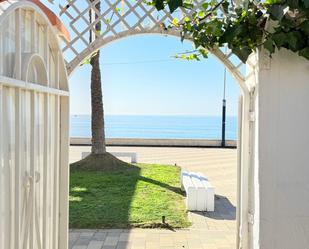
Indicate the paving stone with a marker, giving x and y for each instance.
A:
(79, 247)
(71, 244)
(95, 244)
(114, 234)
(113, 230)
(111, 241)
(73, 237)
(82, 241)
(109, 247)
(124, 237)
(100, 236)
(124, 245)
(87, 234)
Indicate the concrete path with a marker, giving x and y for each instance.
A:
(213, 230)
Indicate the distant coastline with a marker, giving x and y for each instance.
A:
(157, 127)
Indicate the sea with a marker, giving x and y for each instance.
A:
(157, 127)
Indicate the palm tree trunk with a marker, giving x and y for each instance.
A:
(97, 110)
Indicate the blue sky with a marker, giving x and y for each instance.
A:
(166, 86)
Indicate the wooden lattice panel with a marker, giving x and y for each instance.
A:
(120, 18)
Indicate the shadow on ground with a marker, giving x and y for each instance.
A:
(224, 209)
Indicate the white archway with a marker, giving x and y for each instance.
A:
(122, 18)
(273, 154)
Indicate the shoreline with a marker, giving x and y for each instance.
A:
(145, 142)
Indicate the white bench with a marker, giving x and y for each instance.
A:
(187, 185)
(132, 155)
(200, 193)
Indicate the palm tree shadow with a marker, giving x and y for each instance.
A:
(161, 184)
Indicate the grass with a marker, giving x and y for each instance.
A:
(133, 196)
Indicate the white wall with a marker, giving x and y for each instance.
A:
(282, 132)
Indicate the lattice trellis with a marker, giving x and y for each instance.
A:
(121, 18)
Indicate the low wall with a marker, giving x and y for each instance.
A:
(156, 142)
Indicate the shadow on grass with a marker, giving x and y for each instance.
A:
(161, 184)
(121, 197)
(224, 210)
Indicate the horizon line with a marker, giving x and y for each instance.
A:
(130, 114)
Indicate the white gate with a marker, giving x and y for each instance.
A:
(33, 131)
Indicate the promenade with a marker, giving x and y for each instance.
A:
(216, 230)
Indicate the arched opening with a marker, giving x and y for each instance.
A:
(34, 70)
(123, 71)
(125, 87)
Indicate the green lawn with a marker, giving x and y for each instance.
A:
(134, 196)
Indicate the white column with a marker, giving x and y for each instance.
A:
(2, 200)
(18, 44)
(18, 165)
(33, 32)
(282, 152)
(64, 173)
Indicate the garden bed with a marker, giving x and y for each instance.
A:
(133, 196)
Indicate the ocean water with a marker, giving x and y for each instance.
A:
(123, 126)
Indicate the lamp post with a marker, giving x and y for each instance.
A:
(223, 111)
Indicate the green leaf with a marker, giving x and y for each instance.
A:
(243, 28)
(238, 10)
(203, 52)
(225, 6)
(201, 14)
(273, 1)
(279, 39)
(174, 4)
(159, 4)
(205, 5)
(186, 19)
(305, 27)
(306, 3)
(175, 22)
(213, 3)
(242, 53)
(293, 3)
(304, 53)
(287, 24)
(294, 39)
(276, 11)
(188, 5)
(86, 61)
(232, 32)
(269, 45)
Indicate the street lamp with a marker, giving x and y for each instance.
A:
(223, 109)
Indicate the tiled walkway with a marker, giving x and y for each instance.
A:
(214, 230)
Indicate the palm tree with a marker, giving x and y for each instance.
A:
(97, 110)
(99, 158)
